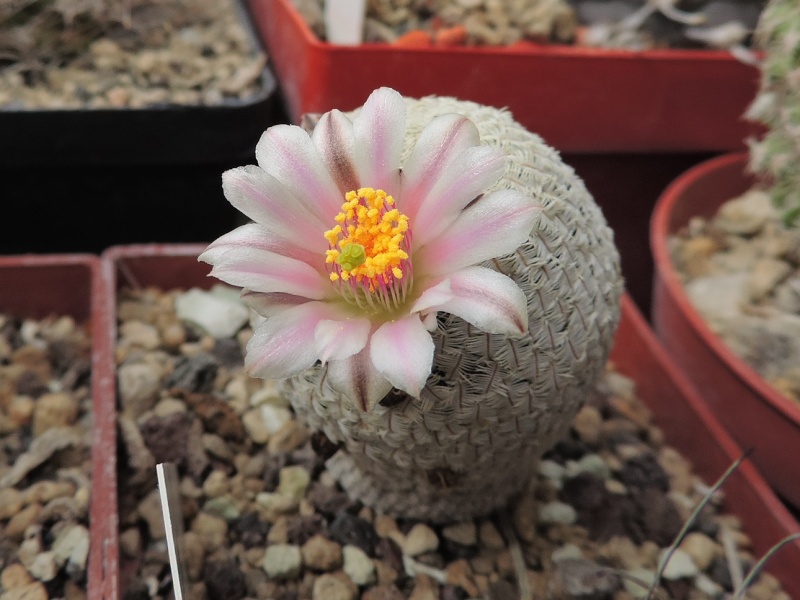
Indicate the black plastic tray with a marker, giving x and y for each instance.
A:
(157, 135)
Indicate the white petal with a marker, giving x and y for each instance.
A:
(439, 144)
(494, 226)
(435, 295)
(255, 236)
(458, 184)
(341, 339)
(287, 153)
(489, 300)
(270, 304)
(283, 345)
(335, 142)
(358, 379)
(270, 204)
(265, 271)
(402, 351)
(379, 129)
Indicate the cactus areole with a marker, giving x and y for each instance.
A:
(439, 294)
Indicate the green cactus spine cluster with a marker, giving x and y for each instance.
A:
(777, 105)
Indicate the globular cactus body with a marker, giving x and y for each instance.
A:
(492, 404)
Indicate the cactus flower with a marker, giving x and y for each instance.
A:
(352, 254)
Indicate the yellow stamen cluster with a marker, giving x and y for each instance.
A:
(368, 220)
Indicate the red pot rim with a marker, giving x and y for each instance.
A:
(659, 234)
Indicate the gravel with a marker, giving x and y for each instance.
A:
(133, 54)
(45, 466)
(265, 520)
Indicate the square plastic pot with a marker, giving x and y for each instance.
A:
(577, 99)
(35, 287)
(155, 135)
(679, 411)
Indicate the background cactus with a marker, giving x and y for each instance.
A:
(778, 106)
(492, 404)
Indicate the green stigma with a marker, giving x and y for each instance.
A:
(352, 256)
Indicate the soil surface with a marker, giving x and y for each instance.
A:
(265, 520)
(629, 24)
(125, 54)
(45, 466)
(741, 270)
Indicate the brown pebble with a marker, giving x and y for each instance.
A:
(14, 576)
(425, 588)
(21, 410)
(72, 591)
(217, 416)
(459, 574)
(383, 592)
(130, 542)
(11, 501)
(489, 536)
(212, 530)
(16, 526)
(587, 424)
(33, 359)
(32, 591)
(321, 554)
(335, 586)
(193, 554)
(54, 410)
(701, 549)
(173, 335)
(420, 540)
(504, 563)
(384, 525)
(465, 534)
(385, 573)
(279, 532)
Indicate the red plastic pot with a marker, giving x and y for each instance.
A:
(35, 287)
(754, 412)
(577, 99)
(688, 423)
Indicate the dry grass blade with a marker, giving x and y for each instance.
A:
(751, 575)
(517, 559)
(734, 564)
(690, 521)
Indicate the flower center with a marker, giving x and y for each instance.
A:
(369, 251)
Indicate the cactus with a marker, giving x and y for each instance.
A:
(468, 441)
(777, 105)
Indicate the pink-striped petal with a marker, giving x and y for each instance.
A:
(493, 226)
(435, 295)
(283, 346)
(335, 142)
(458, 184)
(379, 131)
(439, 144)
(287, 153)
(270, 204)
(255, 236)
(341, 339)
(489, 300)
(264, 271)
(270, 304)
(402, 351)
(356, 378)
